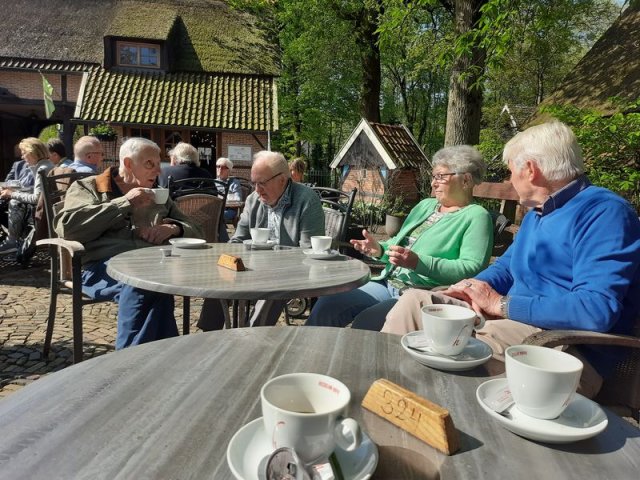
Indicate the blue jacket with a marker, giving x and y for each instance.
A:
(575, 265)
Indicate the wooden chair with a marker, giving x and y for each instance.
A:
(66, 261)
(623, 386)
(206, 211)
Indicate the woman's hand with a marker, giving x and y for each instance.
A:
(483, 299)
(6, 193)
(402, 257)
(369, 246)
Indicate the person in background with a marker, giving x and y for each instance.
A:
(109, 214)
(35, 154)
(185, 163)
(574, 264)
(297, 168)
(88, 155)
(19, 172)
(58, 153)
(443, 240)
(291, 211)
(234, 194)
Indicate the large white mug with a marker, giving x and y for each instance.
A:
(320, 243)
(260, 235)
(448, 327)
(306, 412)
(542, 380)
(161, 195)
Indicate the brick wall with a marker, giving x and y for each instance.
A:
(28, 85)
(371, 186)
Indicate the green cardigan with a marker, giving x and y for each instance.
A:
(457, 246)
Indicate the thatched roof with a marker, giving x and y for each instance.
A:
(610, 69)
(209, 35)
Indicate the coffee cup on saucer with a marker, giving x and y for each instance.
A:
(448, 327)
(542, 380)
(161, 195)
(306, 412)
(259, 235)
(320, 243)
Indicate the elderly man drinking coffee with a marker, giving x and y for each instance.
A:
(574, 264)
(291, 211)
(111, 213)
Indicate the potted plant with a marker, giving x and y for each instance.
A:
(104, 132)
(396, 214)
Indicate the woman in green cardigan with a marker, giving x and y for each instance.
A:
(443, 240)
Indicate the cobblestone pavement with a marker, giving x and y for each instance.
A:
(24, 304)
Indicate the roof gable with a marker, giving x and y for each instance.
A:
(394, 144)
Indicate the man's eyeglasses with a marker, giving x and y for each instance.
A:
(97, 153)
(264, 183)
(222, 167)
(442, 177)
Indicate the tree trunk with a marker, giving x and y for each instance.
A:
(464, 110)
(371, 69)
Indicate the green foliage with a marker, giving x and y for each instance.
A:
(368, 214)
(103, 131)
(48, 133)
(610, 145)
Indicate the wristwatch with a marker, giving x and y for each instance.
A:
(504, 306)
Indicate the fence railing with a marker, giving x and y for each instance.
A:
(323, 177)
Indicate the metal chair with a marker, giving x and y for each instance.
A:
(337, 206)
(66, 261)
(196, 185)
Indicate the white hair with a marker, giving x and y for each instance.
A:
(552, 146)
(185, 153)
(274, 160)
(226, 162)
(461, 159)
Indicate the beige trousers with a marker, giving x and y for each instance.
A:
(406, 316)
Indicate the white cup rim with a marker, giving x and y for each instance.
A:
(301, 414)
(576, 366)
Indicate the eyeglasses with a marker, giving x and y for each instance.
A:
(264, 183)
(442, 177)
(222, 167)
(97, 153)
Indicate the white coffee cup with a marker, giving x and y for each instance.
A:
(448, 327)
(542, 380)
(320, 243)
(161, 195)
(306, 412)
(260, 235)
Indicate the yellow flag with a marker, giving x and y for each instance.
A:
(49, 107)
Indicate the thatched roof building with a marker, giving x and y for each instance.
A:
(610, 69)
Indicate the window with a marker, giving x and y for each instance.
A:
(138, 55)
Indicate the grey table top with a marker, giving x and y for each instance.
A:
(168, 409)
(271, 274)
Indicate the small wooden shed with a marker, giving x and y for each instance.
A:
(378, 159)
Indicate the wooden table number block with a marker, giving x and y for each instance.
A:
(421, 418)
(231, 262)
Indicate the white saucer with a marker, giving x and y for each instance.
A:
(249, 449)
(268, 245)
(320, 255)
(474, 354)
(582, 418)
(187, 242)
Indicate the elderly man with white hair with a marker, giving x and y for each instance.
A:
(111, 213)
(185, 163)
(574, 264)
(291, 211)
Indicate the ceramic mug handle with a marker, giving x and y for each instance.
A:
(347, 434)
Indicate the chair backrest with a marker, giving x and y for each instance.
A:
(55, 184)
(199, 185)
(337, 207)
(54, 187)
(246, 186)
(205, 210)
